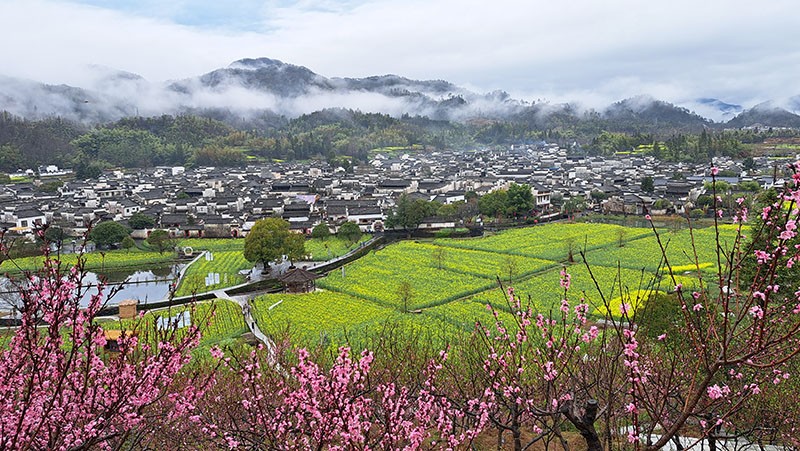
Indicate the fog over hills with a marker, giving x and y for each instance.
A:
(251, 87)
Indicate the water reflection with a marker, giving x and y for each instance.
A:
(150, 285)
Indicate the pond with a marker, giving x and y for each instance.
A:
(146, 285)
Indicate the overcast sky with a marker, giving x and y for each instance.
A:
(591, 51)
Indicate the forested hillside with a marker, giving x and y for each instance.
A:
(219, 138)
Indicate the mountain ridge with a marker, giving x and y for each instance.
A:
(254, 86)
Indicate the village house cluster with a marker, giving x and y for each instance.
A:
(224, 202)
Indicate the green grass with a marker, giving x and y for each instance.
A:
(379, 275)
(226, 263)
(313, 317)
(213, 244)
(646, 253)
(94, 260)
(551, 241)
(331, 247)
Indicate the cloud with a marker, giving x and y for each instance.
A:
(582, 50)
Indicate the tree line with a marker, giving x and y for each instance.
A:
(339, 136)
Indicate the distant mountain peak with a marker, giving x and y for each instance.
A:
(766, 113)
(110, 73)
(257, 63)
(767, 107)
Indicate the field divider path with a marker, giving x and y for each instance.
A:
(244, 303)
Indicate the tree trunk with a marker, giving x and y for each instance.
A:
(515, 428)
(712, 434)
(712, 441)
(584, 422)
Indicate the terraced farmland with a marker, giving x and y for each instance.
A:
(551, 241)
(329, 318)
(445, 284)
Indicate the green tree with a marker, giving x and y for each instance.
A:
(294, 247)
(140, 221)
(657, 150)
(409, 213)
(647, 184)
(55, 235)
(127, 243)
(439, 255)
(269, 240)
(321, 231)
(721, 186)
(661, 204)
(86, 168)
(120, 146)
(704, 201)
(350, 231)
(704, 146)
(161, 240)
(493, 203)
(570, 242)
(216, 155)
(598, 195)
(449, 211)
(750, 186)
(108, 233)
(405, 292)
(11, 158)
(50, 187)
(574, 205)
(659, 312)
(510, 267)
(520, 199)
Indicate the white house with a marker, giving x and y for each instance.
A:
(26, 220)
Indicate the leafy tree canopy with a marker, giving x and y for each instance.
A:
(321, 231)
(161, 240)
(350, 231)
(270, 239)
(520, 199)
(140, 221)
(108, 233)
(493, 203)
(647, 184)
(409, 213)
